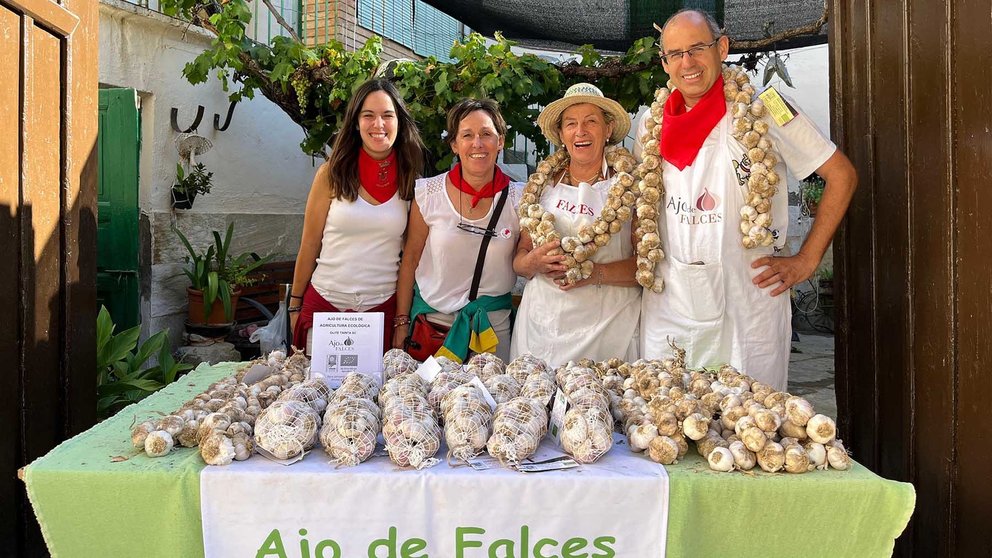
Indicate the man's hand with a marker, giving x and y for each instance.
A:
(784, 271)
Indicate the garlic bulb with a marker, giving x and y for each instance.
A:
(695, 426)
(798, 410)
(721, 459)
(158, 443)
(790, 429)
(140, 433)
(744, 459)
(771, 458)
(817, 455)
(217, 449)
(664, 450)
(821, 429)
(838, 458)
(640, 436)
(796, 459)
(754, 438)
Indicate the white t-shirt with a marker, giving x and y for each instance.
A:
(448, 261)
(360, 252)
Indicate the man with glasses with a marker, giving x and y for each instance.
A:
(721, 300)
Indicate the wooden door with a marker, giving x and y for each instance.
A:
(912, 107)
(48, 60)
(117, 206)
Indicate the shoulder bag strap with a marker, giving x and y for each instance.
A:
(490, 231)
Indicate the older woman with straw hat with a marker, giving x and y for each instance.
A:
(576, 245)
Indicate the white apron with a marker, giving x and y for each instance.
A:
(588, 322)
(710, 306)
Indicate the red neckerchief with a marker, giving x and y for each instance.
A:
(683, 132)
(378, 177)
(489, 190)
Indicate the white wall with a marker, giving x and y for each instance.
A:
(261, 177)
(809, 69)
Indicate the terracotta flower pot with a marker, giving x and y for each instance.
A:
(216, 317)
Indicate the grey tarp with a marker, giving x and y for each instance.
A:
(615, 24)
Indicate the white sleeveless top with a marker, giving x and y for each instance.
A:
(360, 252)
(448, 261)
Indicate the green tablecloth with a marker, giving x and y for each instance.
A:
(89, 502)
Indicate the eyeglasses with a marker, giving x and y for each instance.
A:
(476, 230)
(692, 52)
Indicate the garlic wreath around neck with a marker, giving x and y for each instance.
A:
(581, 247)
(750, 128)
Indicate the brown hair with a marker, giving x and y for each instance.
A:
(466, 107)
(409, 148)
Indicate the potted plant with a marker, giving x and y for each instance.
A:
(216, 275)
(826, 281)
(187, 186)
(811, 191)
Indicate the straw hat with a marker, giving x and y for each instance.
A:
(550, 117)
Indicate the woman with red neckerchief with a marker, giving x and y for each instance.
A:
(452, 215)
(356, 213)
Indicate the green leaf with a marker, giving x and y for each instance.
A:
(281, 72)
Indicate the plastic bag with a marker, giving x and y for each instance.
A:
(273, 335)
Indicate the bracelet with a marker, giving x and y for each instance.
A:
(401, 319)
(599, 277)
(296, 296)
(295, 308)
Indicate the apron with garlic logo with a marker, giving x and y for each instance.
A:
(709, 306)
(587, 322)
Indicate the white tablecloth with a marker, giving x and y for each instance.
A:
(617, 506)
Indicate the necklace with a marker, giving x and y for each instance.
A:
(581, 247)
(749, 128)
(567, 178)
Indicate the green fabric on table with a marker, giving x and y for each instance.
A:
(88, 505)
(831, 513)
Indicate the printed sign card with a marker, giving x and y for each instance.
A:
(346, 342)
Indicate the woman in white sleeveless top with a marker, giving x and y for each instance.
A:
(595, 317)
(356, 213)
(449, 219)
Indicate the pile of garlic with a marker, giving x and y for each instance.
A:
(409, 427)
(534, 376)
(221, 420)
(587, 432)
(352, 421)
(518, 426)
(467, 422)
(736, 422)
(289, 427)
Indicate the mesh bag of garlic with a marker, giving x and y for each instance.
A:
(736, 422)
(351, 425)
(518, 426)
(534, 376)
(220, 421)
(503, 387)
(409, 426)
(467, 422)
(286, 429)
(587, 431)
(485, 365)
(442, 384)
(397, 362)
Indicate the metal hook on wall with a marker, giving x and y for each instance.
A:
(174, 116)
(227, 121)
